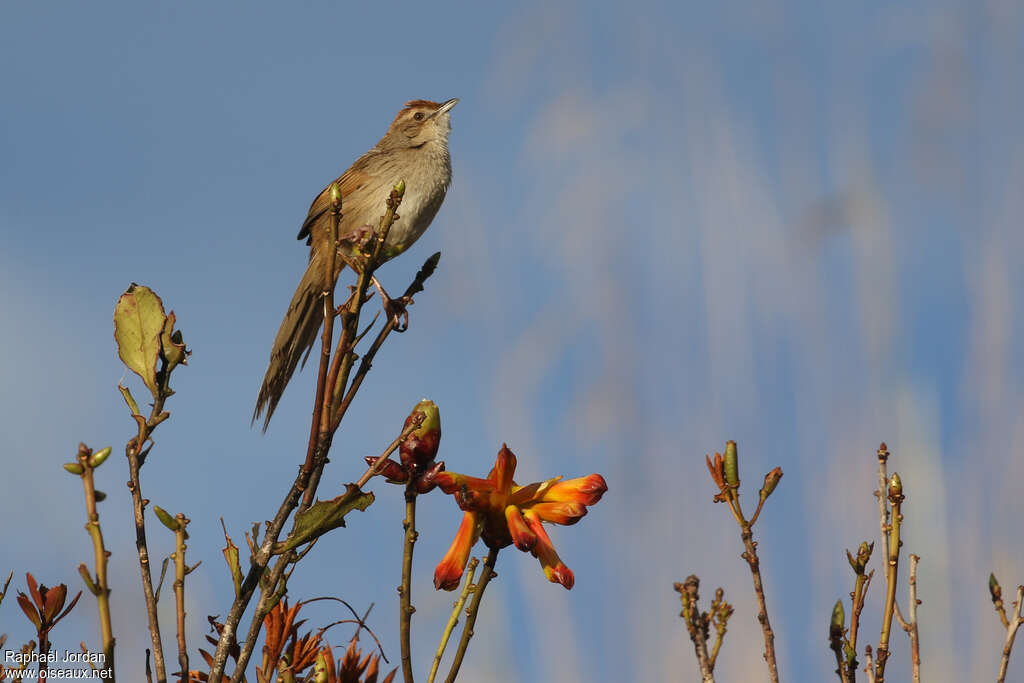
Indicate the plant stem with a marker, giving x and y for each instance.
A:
(750, 555)
(696, 625)
(305, 484)
(471, 613)
(453, 620)
(891, 574)
(100, 558)
(1011, 633)
(44, 648)
(336, 378)
(860, 591)
(180, 569)
(911, 628)
(316, 451)
(136, 456)
(405, 590)
(263, 605)
(841, 671)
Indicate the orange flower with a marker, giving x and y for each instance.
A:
(503, 513)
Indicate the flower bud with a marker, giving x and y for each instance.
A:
(420, 446)
(994, 588)
(837, 622)
(859, 562)
(165, 518)
(732, 464)
(335, 196)
(74, 467)
(97, 458)
(895, 486)
(771, 480)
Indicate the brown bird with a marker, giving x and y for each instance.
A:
(415, 149)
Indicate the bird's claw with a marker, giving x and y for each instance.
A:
(397, 311)
(395, 308)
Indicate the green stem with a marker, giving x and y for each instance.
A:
(471, 613)
(453, 620)
(100, 557)
(892, 565)
(180, 570)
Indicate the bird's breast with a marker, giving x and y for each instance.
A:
(426, 183)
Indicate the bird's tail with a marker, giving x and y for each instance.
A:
(294, 339)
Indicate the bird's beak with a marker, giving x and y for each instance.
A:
(446, 106)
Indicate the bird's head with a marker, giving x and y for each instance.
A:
(421, 122)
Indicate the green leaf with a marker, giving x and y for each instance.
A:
(324, 516)
(138, 323)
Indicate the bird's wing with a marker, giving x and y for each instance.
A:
(348, 182)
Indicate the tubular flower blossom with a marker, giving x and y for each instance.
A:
(503, 513)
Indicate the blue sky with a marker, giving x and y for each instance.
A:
(671, 224)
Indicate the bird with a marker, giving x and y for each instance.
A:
(414, 150)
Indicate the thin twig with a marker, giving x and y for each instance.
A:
(996, 592)
(841, 670)
(474, 609)
(259, 562)
(366, 362)
(895, 497)
(405, 609)
(836, 637)
(280, 566)
(720, 613)
(696, 624)
(883, 524)
(1011, 633)
(344, 354)
(453, 620)
(305, 485)
(359, 621)
(99, 587)
(750, 555)
(860, 591)
(180, 570)
(269, 597)
(136, 456)
(316, 449)
(883, 484)
(910, 625)
(44, 649)
(373, 469)
(365, 277)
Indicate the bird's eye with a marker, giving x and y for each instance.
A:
(418, 116)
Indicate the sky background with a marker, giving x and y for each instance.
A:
(671, 224)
